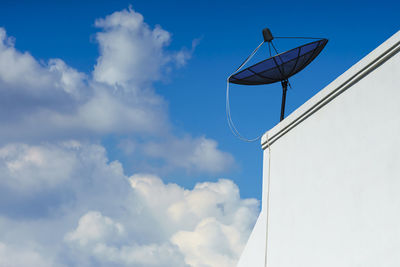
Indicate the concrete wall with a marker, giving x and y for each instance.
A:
(333, 167)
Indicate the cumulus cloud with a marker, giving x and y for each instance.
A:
(211, 243)
(93, 227)
(131, 52)
(198, 154)
(53, 101)
(63, 203)
(12, 256)
(20, 70)
(205, 226)
(116, 98)
(101, 217)
(210, 223)
(100, 237)
(35, 168)
(65, 102)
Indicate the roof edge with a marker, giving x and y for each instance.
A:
(358, 71)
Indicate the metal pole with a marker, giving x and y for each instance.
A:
(284, 89)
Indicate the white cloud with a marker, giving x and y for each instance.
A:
(105, 218)
(53, 101)
(67, 78)
(20, 70)
(164, 255)
(131, 52)
(93, 227)
(11, 256)
(63, 203)
(34, 168)
(65, 102)
(68, 103)
(206, 226)
(211, 243)
(210, 224)
(102, 238)
(198, 154)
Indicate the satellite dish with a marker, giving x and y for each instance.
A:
(277, 68)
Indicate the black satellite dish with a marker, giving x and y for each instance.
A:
(277, 68)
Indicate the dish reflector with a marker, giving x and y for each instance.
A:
(279, 67)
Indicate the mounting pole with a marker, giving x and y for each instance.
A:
(284, 89)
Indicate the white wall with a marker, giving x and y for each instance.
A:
(335, 173)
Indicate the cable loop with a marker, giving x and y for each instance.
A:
(228, 109)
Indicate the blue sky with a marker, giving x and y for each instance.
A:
(90, 94)
(227, 32)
